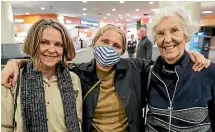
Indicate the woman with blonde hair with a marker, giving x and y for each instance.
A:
(113, 90)
(48, 96)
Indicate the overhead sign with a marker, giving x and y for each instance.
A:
(89, 23)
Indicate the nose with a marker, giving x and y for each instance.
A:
(51, 48)
(167, 38)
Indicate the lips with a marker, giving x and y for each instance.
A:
(49, 57)
(170, 47)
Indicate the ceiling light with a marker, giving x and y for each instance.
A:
(68, 21)
(151, 2)
(27, 13)
(128, 14)
(108, 14)
(113, 22)
(104, 17)
(155, 10)
(113, 9)
(116, 20)
(128, 20)
(137, 17)
(101, 20)
(137, 10)
(42, 8)
(206, 12)
(84, 9)
(84, 1)
(121, 17)
(121, 2)
(84, 14)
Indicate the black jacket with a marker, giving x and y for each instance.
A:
(144, 49)
(193, 106)
(131, 46)
(128, 85)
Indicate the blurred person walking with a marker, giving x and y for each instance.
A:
(131, 47)
(144, 48)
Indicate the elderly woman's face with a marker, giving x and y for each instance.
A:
(111, 38)
(170, 38)
(50, 47)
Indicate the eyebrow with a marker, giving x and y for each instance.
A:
(52, 40)
(174, 26)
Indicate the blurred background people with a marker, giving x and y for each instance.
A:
(144, 48)
(131, 47)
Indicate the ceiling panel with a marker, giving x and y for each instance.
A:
(96, 10)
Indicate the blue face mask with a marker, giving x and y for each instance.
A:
(106, 55)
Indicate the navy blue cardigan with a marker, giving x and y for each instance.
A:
(193, 106)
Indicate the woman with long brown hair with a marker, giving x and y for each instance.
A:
(48, 96)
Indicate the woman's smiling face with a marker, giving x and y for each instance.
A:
(170, 38)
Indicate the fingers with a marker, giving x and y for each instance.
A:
(208, 62)
(192, 57)
(5, 80)
(199, 61)
(15, 78)
(198, 65)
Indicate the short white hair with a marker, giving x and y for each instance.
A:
(190, 27)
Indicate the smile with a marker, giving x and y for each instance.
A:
(49, 57)
(167, 48)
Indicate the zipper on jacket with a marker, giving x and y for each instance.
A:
(170, 115)
(170, 101)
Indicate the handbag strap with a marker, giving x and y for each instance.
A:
(95, 85)
(15, 102)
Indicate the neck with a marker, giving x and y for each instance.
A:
(49, 72)
(174, 61)
(143, 37)
(102, 68)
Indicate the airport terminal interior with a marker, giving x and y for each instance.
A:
(107, 94)
(82, 19)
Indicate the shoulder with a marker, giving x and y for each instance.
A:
(75, 81)
(77, 68)
(206, 74)
(74, 76)
(210, 71)
(148, 41)
(137, 63)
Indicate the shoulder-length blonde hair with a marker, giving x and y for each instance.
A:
(107, 27)
(34, 37)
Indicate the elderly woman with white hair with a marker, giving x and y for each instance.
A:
(178, 98)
